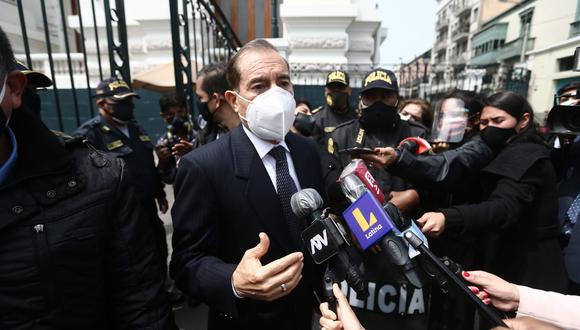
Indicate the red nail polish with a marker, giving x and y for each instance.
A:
(466, 274)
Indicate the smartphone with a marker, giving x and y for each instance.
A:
(356, 151)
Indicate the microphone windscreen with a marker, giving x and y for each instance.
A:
(306, 201)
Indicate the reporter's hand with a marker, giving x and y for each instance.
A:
(492, 289)
(253, 280)
(438, 147)
(432, 223)
(527, 323)
(347, 320)
(182, 148)
(381, 158)
(407, 201)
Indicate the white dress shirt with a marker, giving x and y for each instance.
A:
(263, 148)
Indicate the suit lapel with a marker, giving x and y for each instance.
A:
(260, 192)
(302, 162)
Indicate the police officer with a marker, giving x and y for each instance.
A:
(337, 108)
(115, 130)
(393, 302)
(379, 125)
(74, 252)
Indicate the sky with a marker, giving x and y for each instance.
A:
(411, 29)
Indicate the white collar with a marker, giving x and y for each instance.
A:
(263, 147)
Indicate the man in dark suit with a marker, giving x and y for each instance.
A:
(236, 242)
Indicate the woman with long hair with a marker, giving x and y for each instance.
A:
(516, 220)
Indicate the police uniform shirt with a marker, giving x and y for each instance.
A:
(327, 120)
(136, 149)
(351, 134)
(393, 303)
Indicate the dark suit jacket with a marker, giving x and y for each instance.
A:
(223, 199)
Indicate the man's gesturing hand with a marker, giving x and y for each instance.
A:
(268, 282)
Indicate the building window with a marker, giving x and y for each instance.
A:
(526, 18)
(566, 63)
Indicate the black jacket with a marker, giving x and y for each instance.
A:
(75, 248)
(136, 150)
(449, 170)
(352, 134)
(516, 219)
(327, 120)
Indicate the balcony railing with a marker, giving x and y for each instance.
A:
(441, 23)
(574, 29)
(508, 50)
(459, 59)
(460, 32)
(514, 48)
(461, 8)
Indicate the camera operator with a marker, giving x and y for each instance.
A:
(178, 140)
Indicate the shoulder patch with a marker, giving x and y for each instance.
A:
(330, 146)
(360, 136)
(114, 145)
(329, 129)
(313, 111)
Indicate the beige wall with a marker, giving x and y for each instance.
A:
(489, 9)
(545, 74)
(550, 26)
(551, 21)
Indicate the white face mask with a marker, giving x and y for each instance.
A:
(270, 114)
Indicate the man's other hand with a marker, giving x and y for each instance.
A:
(268, 282)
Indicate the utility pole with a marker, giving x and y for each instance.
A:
(524, 42)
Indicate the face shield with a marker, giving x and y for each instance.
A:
(450, 121)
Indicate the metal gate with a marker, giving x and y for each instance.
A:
(93, 44)
(518, 81)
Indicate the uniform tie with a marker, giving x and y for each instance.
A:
(286, 188)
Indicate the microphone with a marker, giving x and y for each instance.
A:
(414, 145)
(371, 224)
(326, 241)
(357, 169)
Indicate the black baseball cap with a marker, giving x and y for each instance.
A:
(380, 78)
(116, 88)
(35, 78)
(337, 77)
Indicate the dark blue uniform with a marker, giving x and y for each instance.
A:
(137, 152)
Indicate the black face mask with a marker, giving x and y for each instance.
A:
(496, 137)
(31, 101)
(123, 111)
(379, 116)
(337, 101)
(204, 111)
(304, 124)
